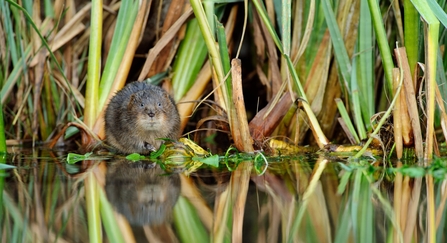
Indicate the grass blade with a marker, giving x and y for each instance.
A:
(286, 13)
(341, 55)
(344, 114)
(92, 205)
(411, 34)
(385, 52)
(365, 64)
(190, 57)
(108, 218)
(126, 18)
(187, 223)
(357, 106)
(91, 110)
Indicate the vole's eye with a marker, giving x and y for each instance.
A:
(141, 105)
(159, 104)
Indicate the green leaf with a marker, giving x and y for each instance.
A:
(439, 174)
(343, 182)
(135, 157)
(223, 50)
(344, 114)
(411, 32)
(124, 24)
(438, 12)
(159, 152)
(74, 158)
(261, 164)
(341, 54)
(212, 160)
(365, 64)
(382, 40)
(346, 167)
(187, 222)
(413, 171)
(6, 166)
(190, 58)
(109, 220)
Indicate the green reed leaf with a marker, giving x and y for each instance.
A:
(341, 54)
(74, 158)
(124, 24)
(382, 40)
(211, 160)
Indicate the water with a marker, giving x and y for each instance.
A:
(299, 199)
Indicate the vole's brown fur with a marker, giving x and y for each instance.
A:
(139, 114)
(141, 191)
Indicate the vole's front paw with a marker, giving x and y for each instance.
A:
(149, 146)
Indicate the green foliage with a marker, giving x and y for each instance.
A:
(111, 226)
(225, 59)
(211, 160)
(190, 58)
(74, 158)
(3, 149)
(341, 55)
(344, 114)
(188, 224)
(6, 166)
(364, 64)
(135, 157)
(125, 21)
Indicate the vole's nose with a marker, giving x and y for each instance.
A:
(151, 114)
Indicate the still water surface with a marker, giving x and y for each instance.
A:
(300, 199)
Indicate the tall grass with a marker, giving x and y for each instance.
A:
(337, 59)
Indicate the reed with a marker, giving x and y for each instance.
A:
(305, 68)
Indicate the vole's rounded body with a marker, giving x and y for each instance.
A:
(138, 115)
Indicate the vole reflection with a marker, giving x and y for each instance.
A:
(142, 191)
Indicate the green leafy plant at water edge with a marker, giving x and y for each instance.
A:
(73, 157)
(231, 159)
(438, 169)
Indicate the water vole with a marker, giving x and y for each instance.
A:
(142, 192)
(139, 114)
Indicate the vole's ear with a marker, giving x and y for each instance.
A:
(166, 95)
(131, 101)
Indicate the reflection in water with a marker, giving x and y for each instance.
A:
(142, 192)
(296, 200)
